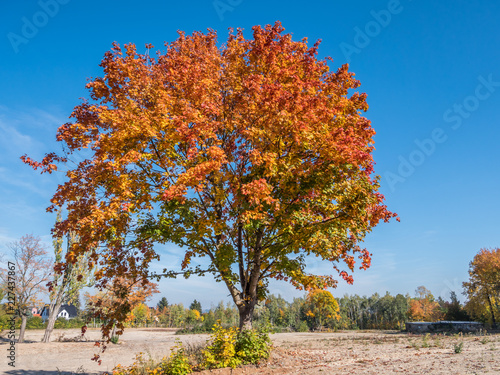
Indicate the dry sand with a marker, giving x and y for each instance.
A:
(349, 352)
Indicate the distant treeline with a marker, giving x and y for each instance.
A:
(317, 310)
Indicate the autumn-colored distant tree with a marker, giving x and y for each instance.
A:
(483, 287)
(424, 307)
(320, 308)
(253, 155)
(66, 286)
(31, 274)
(141, 314)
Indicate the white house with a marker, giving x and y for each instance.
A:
(66, 311)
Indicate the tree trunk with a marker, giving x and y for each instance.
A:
(51, 322)
(246, 315)
(53, 312)
(492, 313)
(23, 326)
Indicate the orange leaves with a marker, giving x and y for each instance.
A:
(176, 192)
(257, 191)
(252, 154)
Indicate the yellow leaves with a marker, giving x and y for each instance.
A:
(484, 284)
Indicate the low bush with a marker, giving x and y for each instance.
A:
(230, 348)
(253, 346)
(178, 363)
(69, 323)
(35, 322)
(226, 348)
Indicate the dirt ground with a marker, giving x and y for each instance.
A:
(348, 352)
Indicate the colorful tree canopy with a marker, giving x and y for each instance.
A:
(483, 287)
(252, 154)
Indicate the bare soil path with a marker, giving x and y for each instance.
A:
(348, 352)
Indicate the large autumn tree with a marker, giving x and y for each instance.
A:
(483, 287)
(253, 154)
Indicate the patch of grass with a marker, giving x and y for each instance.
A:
(414, 345)
(485, 340)
(458, 347)
(437, 342)
(425, 340)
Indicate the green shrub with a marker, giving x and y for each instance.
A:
(114, 339)
(70, 323)
(252, 346)
(60, 323)
(302, 327)
(4, 322)
(35, 322)
(458, 347)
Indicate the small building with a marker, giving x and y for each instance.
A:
(443, 326)
(66, 311)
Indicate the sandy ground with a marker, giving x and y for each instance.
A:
(349, 352)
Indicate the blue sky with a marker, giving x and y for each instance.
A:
(431, 71)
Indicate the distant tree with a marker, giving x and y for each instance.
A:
(31, 272)
(321, 308)
(162, 304)
(193, 315)
(140, 314)
(453, 310)
(294, 315)
(65, 286)
(400, 304)
(178, 315)
(278, 309)
(195, 306)
(483, 287)
(424, 307)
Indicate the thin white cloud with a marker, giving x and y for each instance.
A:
(12, 139)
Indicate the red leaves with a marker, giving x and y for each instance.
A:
(46, 165)
(348, 278)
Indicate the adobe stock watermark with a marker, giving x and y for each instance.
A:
(31, 25)
(454, 115)
(363, 36)
(223, 6)
(10, 309)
